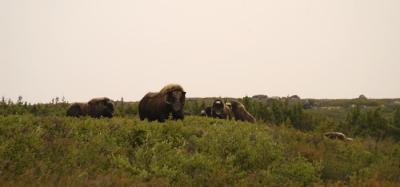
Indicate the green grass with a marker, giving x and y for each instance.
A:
(63, 151)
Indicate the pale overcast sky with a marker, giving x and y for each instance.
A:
(124, 48)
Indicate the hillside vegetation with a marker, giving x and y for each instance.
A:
(39, 146)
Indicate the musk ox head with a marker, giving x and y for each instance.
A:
(218, 107)
(174, 96)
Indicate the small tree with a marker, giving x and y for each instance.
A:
(278, 112)
(377, 124)
(122, 108)
(203, 105)
(355, 121)
(246, 102)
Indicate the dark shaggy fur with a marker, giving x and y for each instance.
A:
(240, 113)
(160, 105)
(77, 110)
(220, 110)
(97, 107)
(101, 107)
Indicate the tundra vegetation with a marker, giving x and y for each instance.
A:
(40, 146)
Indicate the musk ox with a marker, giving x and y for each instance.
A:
(101, 107)
(97, 107)
(220, 110)
(159, 105)
(337, 136)
(240, 113)
(77, 110)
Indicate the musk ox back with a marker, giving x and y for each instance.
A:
(337, 136)
(97, 107)
(77, 110)
(240, 113)
(101, 107)
(160, 105)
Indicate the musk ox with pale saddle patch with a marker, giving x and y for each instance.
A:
(240, 113)
(160, 105)
(337, 136)
(97, 107)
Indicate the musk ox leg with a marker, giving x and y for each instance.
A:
(108, 115)
(141, 117)
(177, 116)
(161, 119)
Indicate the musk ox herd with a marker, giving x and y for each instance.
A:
(228, 110)
(168, 103)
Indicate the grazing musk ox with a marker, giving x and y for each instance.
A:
(97, 107)
(220, 110)
(159, 105)
(240, 113)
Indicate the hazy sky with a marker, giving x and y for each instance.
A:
(88, 48)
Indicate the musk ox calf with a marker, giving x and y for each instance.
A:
(206, 112)
(159, 105)
(337, 136)
(240, 113)
(220, 110)
(97, 107)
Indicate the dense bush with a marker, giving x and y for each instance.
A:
(40, 146)
(56, 150)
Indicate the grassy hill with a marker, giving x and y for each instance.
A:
(61, 151)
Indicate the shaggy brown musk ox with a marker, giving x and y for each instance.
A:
(240, 113)
(77, 110)
(220, 110)
(97, 107)
(159, 105)
(101, 107)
